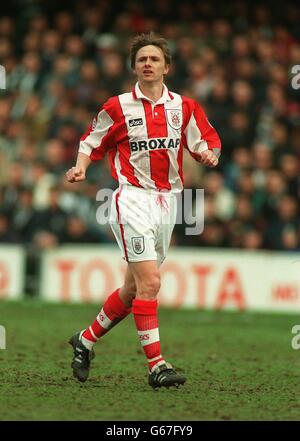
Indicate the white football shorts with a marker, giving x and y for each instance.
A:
(142, 222)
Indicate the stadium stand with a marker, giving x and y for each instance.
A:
(64, 59)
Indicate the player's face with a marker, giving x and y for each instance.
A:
(150, 65)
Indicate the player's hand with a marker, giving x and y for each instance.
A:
(208, 158)
(75, 174)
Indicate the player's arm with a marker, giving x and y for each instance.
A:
(202, 140)
(94, 143)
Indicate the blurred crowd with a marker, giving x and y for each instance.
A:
(64, 59)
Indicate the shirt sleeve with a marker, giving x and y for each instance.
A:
(99, 137)
(200, 135)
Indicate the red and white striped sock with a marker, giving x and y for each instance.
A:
(145, 316)
(112, 312)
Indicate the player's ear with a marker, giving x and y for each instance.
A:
(167, 68)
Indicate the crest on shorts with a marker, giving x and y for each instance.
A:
(174, 117)
(138, 244)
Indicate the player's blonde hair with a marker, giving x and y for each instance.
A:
(152, 39)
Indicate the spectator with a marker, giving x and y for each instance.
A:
(7, 233)
(286, 219)
(52, 219)
(76, 231)
(25, 217)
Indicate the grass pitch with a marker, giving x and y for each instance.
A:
(240, 366)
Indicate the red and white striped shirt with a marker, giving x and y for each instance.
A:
(145, 139)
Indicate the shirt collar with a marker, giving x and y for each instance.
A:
(138, 94)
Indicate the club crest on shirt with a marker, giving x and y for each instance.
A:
(174, 117)
(138, 244)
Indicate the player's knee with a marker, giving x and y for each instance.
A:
(129, 290)
(128, 293)
(149, 287)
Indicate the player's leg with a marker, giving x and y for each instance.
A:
(116, 307)
(144, 309)
(128, 290)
